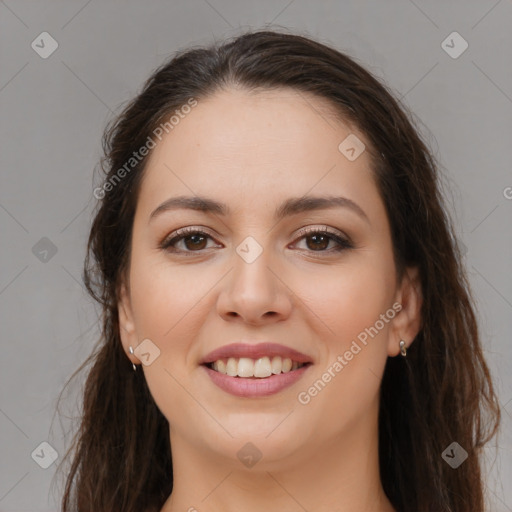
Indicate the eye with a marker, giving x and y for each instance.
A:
(318, 240)
(194, 240)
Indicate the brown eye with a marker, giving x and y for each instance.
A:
(196, 242)
(319, 242)
(191, 240)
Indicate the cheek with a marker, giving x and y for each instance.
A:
(167, 305)
(163, 295)
(355, 351)
(348, 299)
(170, 305)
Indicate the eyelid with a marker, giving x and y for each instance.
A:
(189, 229)
(327, 229)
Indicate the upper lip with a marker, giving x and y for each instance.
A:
(255, 351)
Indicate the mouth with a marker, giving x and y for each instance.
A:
(255, 370)
(261, 368)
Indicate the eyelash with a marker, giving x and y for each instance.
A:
(183, 233)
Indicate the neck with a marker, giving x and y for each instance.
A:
(342, 474)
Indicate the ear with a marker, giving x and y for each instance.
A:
(126, 323)
(407, 322)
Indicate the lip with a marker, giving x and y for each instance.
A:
(255, 351)
(252, 387)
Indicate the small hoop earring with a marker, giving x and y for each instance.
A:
(131, 352)
(403, 348)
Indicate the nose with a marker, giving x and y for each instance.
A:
(254, 294)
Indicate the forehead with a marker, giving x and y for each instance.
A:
(250, 146)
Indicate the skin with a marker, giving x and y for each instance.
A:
(252, 151)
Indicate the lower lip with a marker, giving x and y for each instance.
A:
(255, 387)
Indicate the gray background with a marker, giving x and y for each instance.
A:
(53, 112)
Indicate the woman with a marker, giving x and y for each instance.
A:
(287, 323)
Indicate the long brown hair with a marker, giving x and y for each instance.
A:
(440, 393)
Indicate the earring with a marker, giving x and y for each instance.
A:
(131, 352)
(403, 348)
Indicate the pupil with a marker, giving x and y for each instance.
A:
(196, 240)
(316, 237)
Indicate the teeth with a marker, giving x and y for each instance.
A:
(277, 364)
(220, 366)
(245, 367)
(260, 368)
(232, 367)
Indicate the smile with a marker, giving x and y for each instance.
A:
(261, 368)
(252, 386)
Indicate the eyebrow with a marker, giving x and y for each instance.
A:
(291, 206)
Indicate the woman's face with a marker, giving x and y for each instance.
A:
(256, 276)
